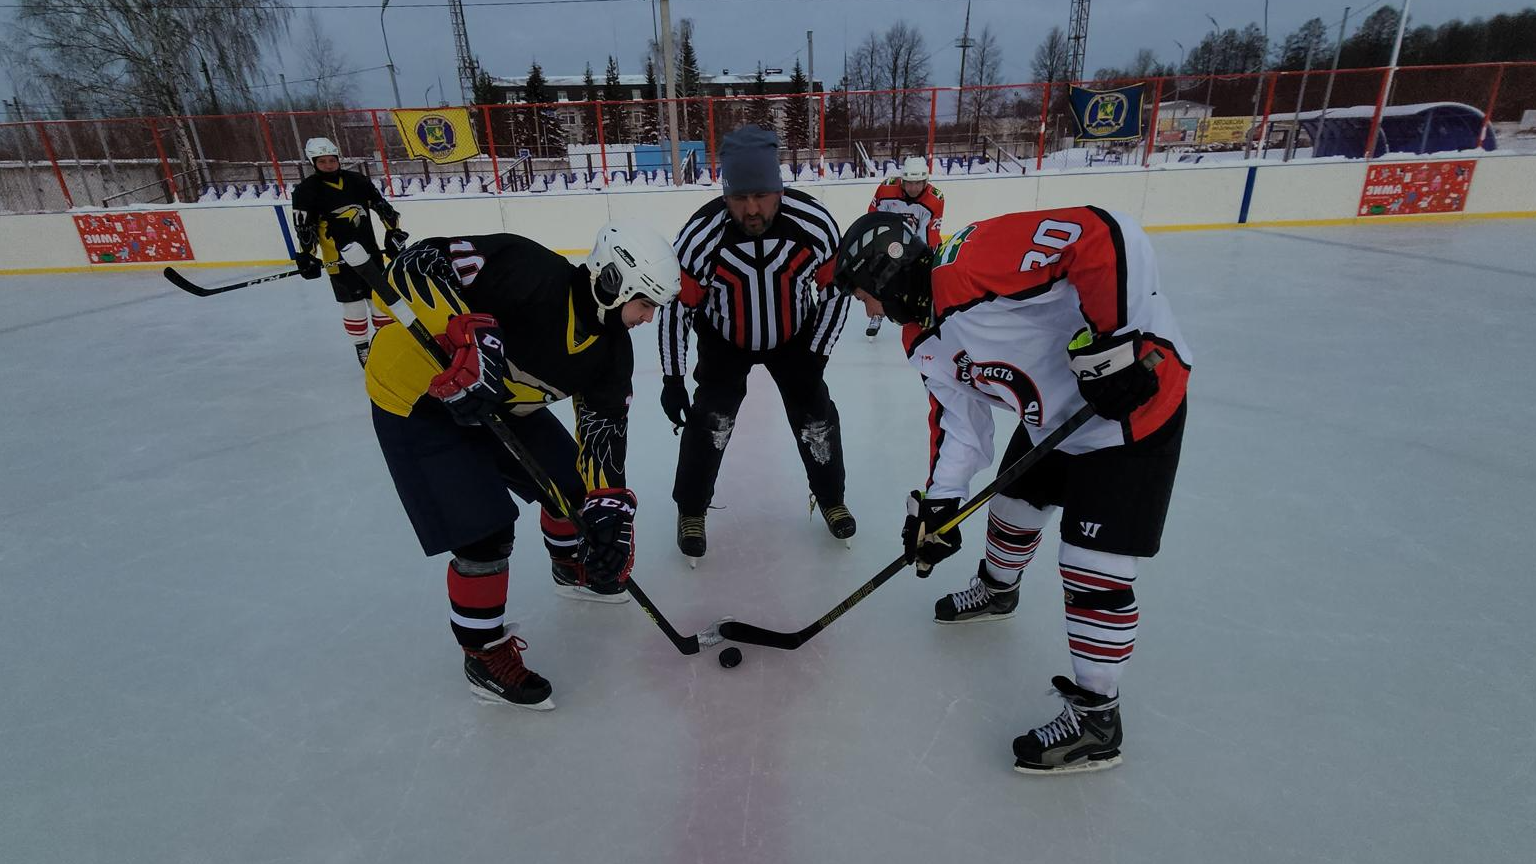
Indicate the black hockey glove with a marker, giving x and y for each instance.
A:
(674, 399)
(1109, 373)
(309, 266)
(395, 241)
(606, 552)
(920, 539)
(471, 387)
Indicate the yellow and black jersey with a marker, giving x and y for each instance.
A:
(557, 345)
(331, 210)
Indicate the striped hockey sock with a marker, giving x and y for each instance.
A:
(1101, 615)
(1013, 535)
(354, 319)
(477, 601)
(559, 538)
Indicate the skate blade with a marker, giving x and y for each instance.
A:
(693, 563)
(486, 697)
(1083, 767)
(979, 619)
(573, 592)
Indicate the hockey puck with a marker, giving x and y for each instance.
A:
(730, 657)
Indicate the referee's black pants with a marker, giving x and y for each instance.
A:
(720, 372)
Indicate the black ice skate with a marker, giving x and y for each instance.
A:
(986, 600)
(839, 521)
(497, 676)
(873, 328)
(362, 353)
(568, 585)
(1085, 737)
(690, 538)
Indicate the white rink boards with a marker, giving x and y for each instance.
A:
(221, 642)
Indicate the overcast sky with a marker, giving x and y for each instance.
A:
(737, 34)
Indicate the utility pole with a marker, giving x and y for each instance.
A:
(292, 123)
(1338, 49)
(393, 84)
(965, 44)
(810, 86)
(667, 71)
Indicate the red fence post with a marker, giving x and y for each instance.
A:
(42, 132)
(602, 148)
(1157, 101)
(1269, 102)
(389, 183)
(933, 122)
(490, 142)
(1381, 104)
(277, 167)
(714, 173)
(1493, 97)
(821, 135)
(1045, 103)
(165, 165)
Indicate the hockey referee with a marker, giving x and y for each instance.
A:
(757, 288)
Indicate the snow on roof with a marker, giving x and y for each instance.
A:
(1365, 112)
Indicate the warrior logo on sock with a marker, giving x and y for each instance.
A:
(1005, 376)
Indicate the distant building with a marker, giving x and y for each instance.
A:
(571, 88)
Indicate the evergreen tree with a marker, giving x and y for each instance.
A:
(540, 130)
(759, 111)
(797, 122)
(614, 116)
(838, 114)
(690, 85)
(589, 95)
(650, 115)
(1313, 36)
(1371, 45)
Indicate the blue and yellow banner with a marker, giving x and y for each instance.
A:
(442, 135)
(1107, 115)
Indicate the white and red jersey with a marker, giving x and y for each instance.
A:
(926, 211)
(1008, 295)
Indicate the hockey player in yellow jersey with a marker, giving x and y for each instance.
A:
(523, 328)
(330, 209)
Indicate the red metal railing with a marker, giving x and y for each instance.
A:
(990, 128)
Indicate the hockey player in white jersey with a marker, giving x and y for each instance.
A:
(1038, 314)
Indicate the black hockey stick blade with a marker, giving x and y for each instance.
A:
(193, 288)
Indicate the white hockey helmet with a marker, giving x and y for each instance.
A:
(915, 169)
(314, 148)
(629, 259)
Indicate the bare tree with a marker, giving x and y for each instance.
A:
(1050, 63)
(325, 65)
(985, 70)
(905, 65)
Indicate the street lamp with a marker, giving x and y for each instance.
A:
(392, 83)
(1210, 64)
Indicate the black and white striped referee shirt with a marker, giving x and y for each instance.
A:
(756, 292)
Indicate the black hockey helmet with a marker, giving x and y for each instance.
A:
(882, 256)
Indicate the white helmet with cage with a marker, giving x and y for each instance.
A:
(314, 148)
(915, 169)
(630, 259)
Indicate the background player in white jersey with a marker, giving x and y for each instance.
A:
(1038, 314)
(912, 196)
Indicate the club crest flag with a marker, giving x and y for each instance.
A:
(442, 135)
(1107, 115)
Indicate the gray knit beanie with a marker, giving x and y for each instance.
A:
(749, 161)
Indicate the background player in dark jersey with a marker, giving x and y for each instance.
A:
(330, 210)
(524, 328)
(757, 288)
(1039, 314)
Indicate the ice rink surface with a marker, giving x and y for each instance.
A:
(219, 641)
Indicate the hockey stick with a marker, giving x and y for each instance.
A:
(358, 259)
(738, 631)
(191, 287)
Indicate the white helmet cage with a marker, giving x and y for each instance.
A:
(914, 169)
(314, 148)
(629, 259)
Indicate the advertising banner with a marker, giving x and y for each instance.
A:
(133, 238)
(1405, 188)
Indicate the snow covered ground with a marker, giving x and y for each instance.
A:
(221, 642)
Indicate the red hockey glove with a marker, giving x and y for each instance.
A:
(607, 547)
(471, 387)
